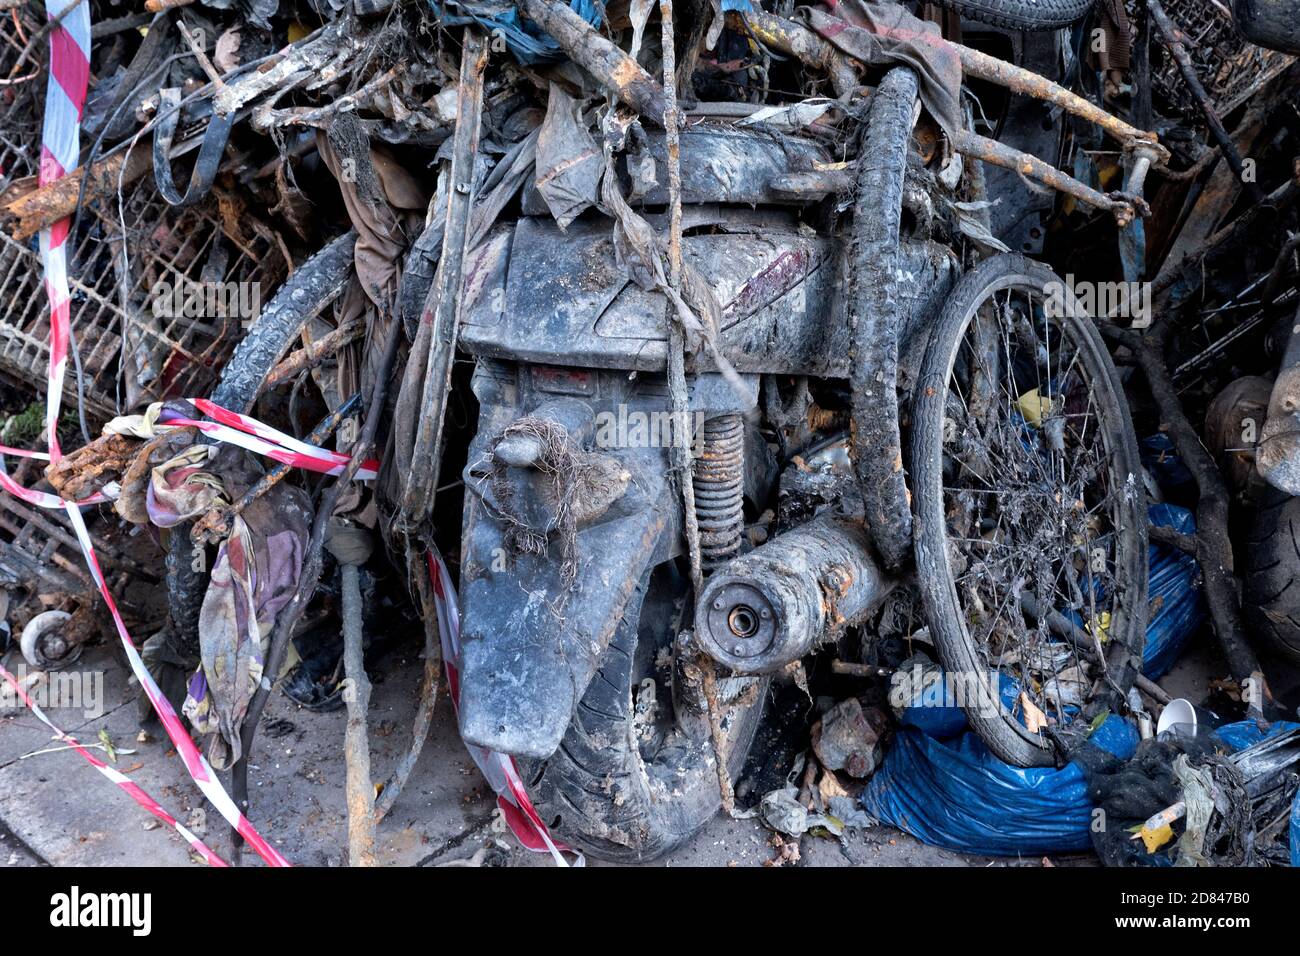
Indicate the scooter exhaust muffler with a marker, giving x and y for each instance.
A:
(767, 608)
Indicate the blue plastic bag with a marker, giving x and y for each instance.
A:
(1161, 459)
(1174, 594)
(956, 794)
(524, 39)
(1295, 830)
(1241, 734)
(932, 707)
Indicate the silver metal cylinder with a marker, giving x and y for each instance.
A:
(767, 608)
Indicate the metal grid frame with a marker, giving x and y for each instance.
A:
(166, 357)
(125, 244)
(1230, 68)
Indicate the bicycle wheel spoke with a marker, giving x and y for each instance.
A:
(1029, 503)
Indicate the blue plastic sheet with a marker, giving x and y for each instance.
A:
(1295, 830)
(1174, 595)
(524, 39)
(956, 794)
(934, 711)
(1160, 458)
(1246, 733)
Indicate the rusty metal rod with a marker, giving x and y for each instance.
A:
(28, 213)
(1026, 82)
(797, 40)
(791, 38)
(443, 301)
(310, 356)
(991, 151)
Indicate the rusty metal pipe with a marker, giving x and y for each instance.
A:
(1019, 80)
(797, 40)
(991, 151)
(602, 59)
(767, 608)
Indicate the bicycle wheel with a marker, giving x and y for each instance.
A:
(1030, 538)
(313, 286)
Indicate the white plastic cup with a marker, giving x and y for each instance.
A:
(1179, 717)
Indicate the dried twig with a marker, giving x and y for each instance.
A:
(309, 577)
(1213, 542)
(356, 740)
(392, 788)
(314, 354)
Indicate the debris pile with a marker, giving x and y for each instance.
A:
(835, 414)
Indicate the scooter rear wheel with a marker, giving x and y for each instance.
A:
(624, 786)
(1030, 516)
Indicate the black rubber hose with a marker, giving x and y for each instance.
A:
(874, 320)
(1021, 14)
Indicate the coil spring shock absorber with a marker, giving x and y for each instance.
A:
(720, 488)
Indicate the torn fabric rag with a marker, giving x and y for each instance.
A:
(886, 34)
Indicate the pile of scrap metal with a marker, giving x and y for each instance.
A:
(720, 315)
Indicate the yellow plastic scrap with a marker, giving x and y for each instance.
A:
(1155, 839)
(1034, 406)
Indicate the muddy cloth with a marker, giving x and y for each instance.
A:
(1129, 794)
(1116, 52)
(1228, 798)
(254, 576)
(886, 34)
(386, 205)
(569, 163)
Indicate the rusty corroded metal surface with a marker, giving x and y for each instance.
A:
(991, 151)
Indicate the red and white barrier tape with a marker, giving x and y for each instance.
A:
(248, 433)
(245, 434)
(255, 436)
(136, 792)
(499, 769)
(65, 97)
